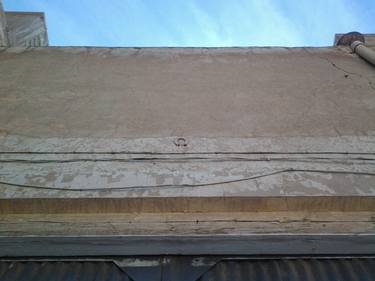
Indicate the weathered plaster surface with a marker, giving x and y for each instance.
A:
(108, 122)
(234, 92)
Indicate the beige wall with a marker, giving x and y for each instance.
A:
(131, 93)
(226, 100)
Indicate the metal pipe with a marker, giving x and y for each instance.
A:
(364, 52)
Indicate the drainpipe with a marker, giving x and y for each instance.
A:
(364, 52)
(356, 41)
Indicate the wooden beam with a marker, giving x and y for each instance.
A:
(159, 224)
(243, 233)
(186, 204)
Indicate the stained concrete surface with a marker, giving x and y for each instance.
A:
(194, 131)
(288, 101)
(235, 92)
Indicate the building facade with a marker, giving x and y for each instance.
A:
(185, 163)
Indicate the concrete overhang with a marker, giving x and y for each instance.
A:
(199, 151)
(186, 150)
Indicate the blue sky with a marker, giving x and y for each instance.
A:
(200, 22)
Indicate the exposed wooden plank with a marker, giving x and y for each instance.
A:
(185, 224)
(187, 204)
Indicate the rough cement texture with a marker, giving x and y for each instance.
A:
(132, 93)
(236, 131)
(314, 108)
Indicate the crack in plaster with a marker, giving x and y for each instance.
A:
(370, 83)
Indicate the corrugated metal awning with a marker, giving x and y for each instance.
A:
(176, 268)
(290, 270)
(61, 271)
